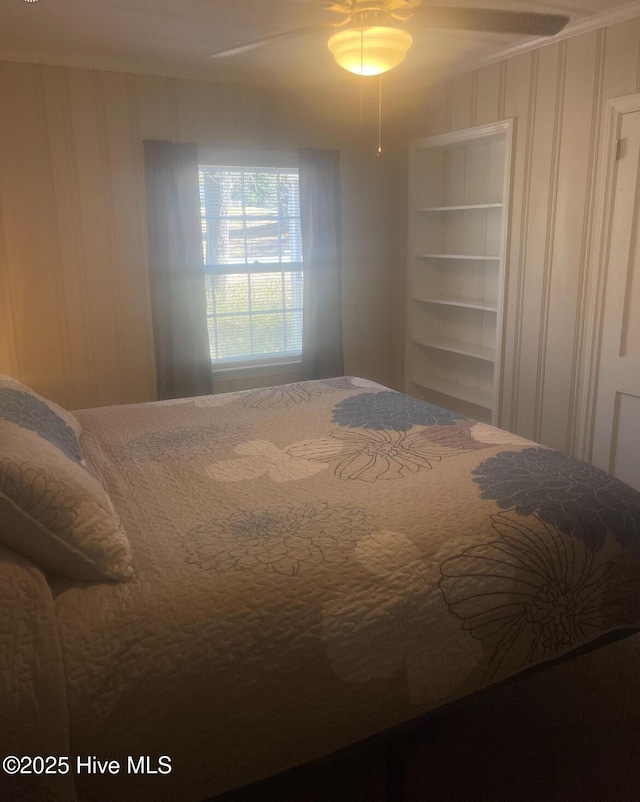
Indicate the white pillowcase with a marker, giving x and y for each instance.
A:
(52, 510)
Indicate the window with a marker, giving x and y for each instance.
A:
(253, 263)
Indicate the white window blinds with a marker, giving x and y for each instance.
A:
(253, 262)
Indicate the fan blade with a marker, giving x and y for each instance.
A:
(348, 7)
(339, 8)
(491, 19)
(402, 5)
(232, 51)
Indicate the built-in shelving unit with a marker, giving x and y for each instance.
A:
(470, 303)
(458, 227)
(473, 257)
(461, 207)
(459, 347)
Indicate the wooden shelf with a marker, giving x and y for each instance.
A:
(458, 202)
(465, 303)
(475, 257)
(462, 208)
(458, 347)
(472, 395)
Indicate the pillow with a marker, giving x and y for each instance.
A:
(52, 510)
(26, 408)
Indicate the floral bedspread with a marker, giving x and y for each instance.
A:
(317, 562)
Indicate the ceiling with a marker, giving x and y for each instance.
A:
(177, 37)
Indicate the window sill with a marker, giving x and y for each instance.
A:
(256, 370)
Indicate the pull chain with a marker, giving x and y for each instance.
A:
(361, 75)
(380, 118)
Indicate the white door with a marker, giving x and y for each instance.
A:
(616, 441)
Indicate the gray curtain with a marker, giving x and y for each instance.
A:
(176, 270)
(321, 252)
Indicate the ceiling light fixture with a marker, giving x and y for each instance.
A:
(370, 50)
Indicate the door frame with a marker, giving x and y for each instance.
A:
(593, 311)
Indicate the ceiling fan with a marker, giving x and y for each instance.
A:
(367, 45)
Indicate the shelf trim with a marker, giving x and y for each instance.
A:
(482, 352)
(461, 207)
(464, 392)
(474, 257)
(486, 131)
(470, 303)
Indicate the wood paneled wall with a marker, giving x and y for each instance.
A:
(557, 95)
(75, 321)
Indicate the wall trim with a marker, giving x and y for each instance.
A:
(550, 242)
(574, 435)
(523, 242)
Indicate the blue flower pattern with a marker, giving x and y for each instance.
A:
(184, 443)
(575, 497)
(23, 409)
(387, 410)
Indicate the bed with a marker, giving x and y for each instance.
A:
(201, 593)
